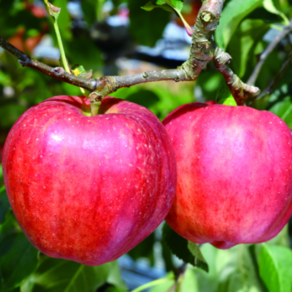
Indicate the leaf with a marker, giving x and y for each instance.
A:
(163, 284)
(283, 109)
(208, 282)
(144, 249)
(166, 4)
(275, 264)
(231, 16)
(179, 246)
(149, 6)
(114, 276)
(89, 8)
(145, 98)
(243, 44)
(19, 258)
(53, 10)
(270, 6)
(59, 275)
(8, 230)
(200, 261)
(282, 238)
(147, 29)
(238, 272)
(64, 21)
(189, 283)
(225, 97)
(81, 72)
(178, 4)
(4, 204)
(114, 289)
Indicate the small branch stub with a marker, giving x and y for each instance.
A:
(240, 91)
(95, 102)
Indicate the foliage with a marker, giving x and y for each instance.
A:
(243, 34)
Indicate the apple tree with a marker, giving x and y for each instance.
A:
(239, 55)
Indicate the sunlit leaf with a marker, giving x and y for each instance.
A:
(243, 43)
(275, 264)
(271, 6)
(231, 16)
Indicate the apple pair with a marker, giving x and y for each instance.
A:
(89, 189)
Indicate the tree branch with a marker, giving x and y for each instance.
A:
(272, 84)
(203, 50)
(57, 73)
(266, 53)
(238, 89)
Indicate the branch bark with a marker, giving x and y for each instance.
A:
(238, 89)
(203, 50)
(57, 73)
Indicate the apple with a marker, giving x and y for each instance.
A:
(84, 188)
(234, 174)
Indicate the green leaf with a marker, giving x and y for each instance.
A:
(149, 6)
(281, 239)
(64, 21)
(178, 4)
(81, 72)
(145, 98)
(189, 283)
(271, 6)
(4, 204)
(225, 97)
(53, 10)
(231, 16)
(147, 29)
(89, 8)
(238, 272)
(18, 257)
(166, 4)
(200, 261)
(283, 109)
(275, 264)
(177, 244)
(114, 289)
(162, 284)
(114, 276)
(8, 231)
(181, 248)
(144, 249)
(243, 44)
(59, 275)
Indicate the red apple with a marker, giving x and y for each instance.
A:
(234, 168)
(88, 189)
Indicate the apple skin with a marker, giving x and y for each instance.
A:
(88, 189)
(234, 174)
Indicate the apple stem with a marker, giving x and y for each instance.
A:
(95, 102)
(94, 108)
